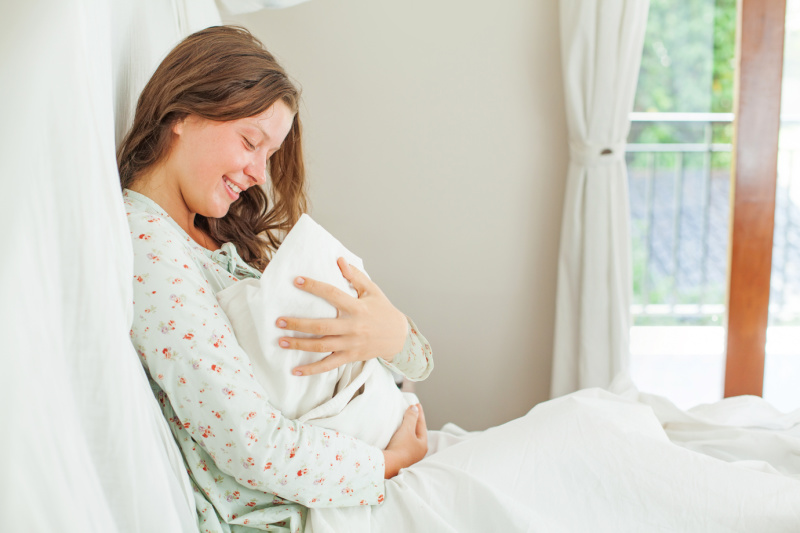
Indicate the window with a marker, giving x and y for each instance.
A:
(679, 158)
(679, 163)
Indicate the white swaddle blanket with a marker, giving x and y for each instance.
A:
(359, 399)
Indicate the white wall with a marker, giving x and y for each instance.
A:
(436, 148)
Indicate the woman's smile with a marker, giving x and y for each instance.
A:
(233, 189)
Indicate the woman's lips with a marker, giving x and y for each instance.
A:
(229, 186)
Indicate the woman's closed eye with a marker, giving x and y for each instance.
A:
(248, 144)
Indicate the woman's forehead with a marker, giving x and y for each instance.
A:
(278, 110)
(275, 120)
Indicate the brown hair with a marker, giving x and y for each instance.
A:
(223, 73)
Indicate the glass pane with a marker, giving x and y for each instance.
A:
(679, 182)
(679, 46)
(782, 367)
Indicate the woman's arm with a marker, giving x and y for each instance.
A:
(366, 327)
(190, 352)
(415, 360)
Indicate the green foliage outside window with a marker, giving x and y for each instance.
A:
(687, 66)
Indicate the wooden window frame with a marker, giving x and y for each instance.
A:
(757, 97)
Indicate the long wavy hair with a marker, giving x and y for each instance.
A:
(223, 73)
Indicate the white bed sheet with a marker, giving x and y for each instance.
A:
(600, 461)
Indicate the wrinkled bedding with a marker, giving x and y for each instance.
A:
(599, 460)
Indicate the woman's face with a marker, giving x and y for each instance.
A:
(210, 163)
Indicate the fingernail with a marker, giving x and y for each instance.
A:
(298, 372)
(284, 344)
(415, 408)
(300, 281)
(281, 323)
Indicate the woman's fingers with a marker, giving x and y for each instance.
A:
(421, 427)
(411, 418)
(361, 283)
(317, 345)
(334, 360)
(406, 446)
(329, 293)
(314, 326)
(366, 327)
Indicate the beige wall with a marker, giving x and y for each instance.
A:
(436, 147)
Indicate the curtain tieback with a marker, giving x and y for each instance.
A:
(596, 154)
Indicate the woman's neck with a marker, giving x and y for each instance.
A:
(153, 185)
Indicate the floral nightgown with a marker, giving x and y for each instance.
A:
(251, 468)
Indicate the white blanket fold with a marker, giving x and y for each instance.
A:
(601, 462)
(360, 398)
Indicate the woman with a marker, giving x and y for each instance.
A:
(218, 116)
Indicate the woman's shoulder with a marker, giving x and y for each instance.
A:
(143, 213)
(149, 223)
(152, 231)
(160, 246)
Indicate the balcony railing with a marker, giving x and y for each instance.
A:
(680, 207)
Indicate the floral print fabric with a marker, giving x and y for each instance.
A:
(251, 468)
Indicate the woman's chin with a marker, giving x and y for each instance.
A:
(220, 208)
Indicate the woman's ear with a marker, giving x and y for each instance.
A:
(177, 126)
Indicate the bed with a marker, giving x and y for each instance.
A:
(598, 460)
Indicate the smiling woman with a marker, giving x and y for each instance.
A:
(212, 114)
(219, 117)
(211, 163)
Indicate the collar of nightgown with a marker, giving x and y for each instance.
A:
(227, 256)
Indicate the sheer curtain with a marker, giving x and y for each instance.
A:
(236, 7)
(83, 445)
(601, 48)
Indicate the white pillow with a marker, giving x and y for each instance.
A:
(253, 307)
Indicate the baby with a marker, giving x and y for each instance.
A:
(360, 398)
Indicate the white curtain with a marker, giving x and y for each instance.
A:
(601, 47)
(144, 32)
(83, 445)
(236, 7)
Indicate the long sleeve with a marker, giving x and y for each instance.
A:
(415, 361)
(188, 347)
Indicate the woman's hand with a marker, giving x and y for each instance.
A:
(366, 327)
(409, 443)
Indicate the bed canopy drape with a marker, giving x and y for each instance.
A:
(84, 445)
(601, 48)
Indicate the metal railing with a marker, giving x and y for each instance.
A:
(680, 245)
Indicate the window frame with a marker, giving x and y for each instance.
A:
(757, 97)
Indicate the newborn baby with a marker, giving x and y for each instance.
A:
(359, 399)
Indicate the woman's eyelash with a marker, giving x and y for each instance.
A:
(248, 144)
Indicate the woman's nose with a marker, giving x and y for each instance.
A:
(257, 169)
